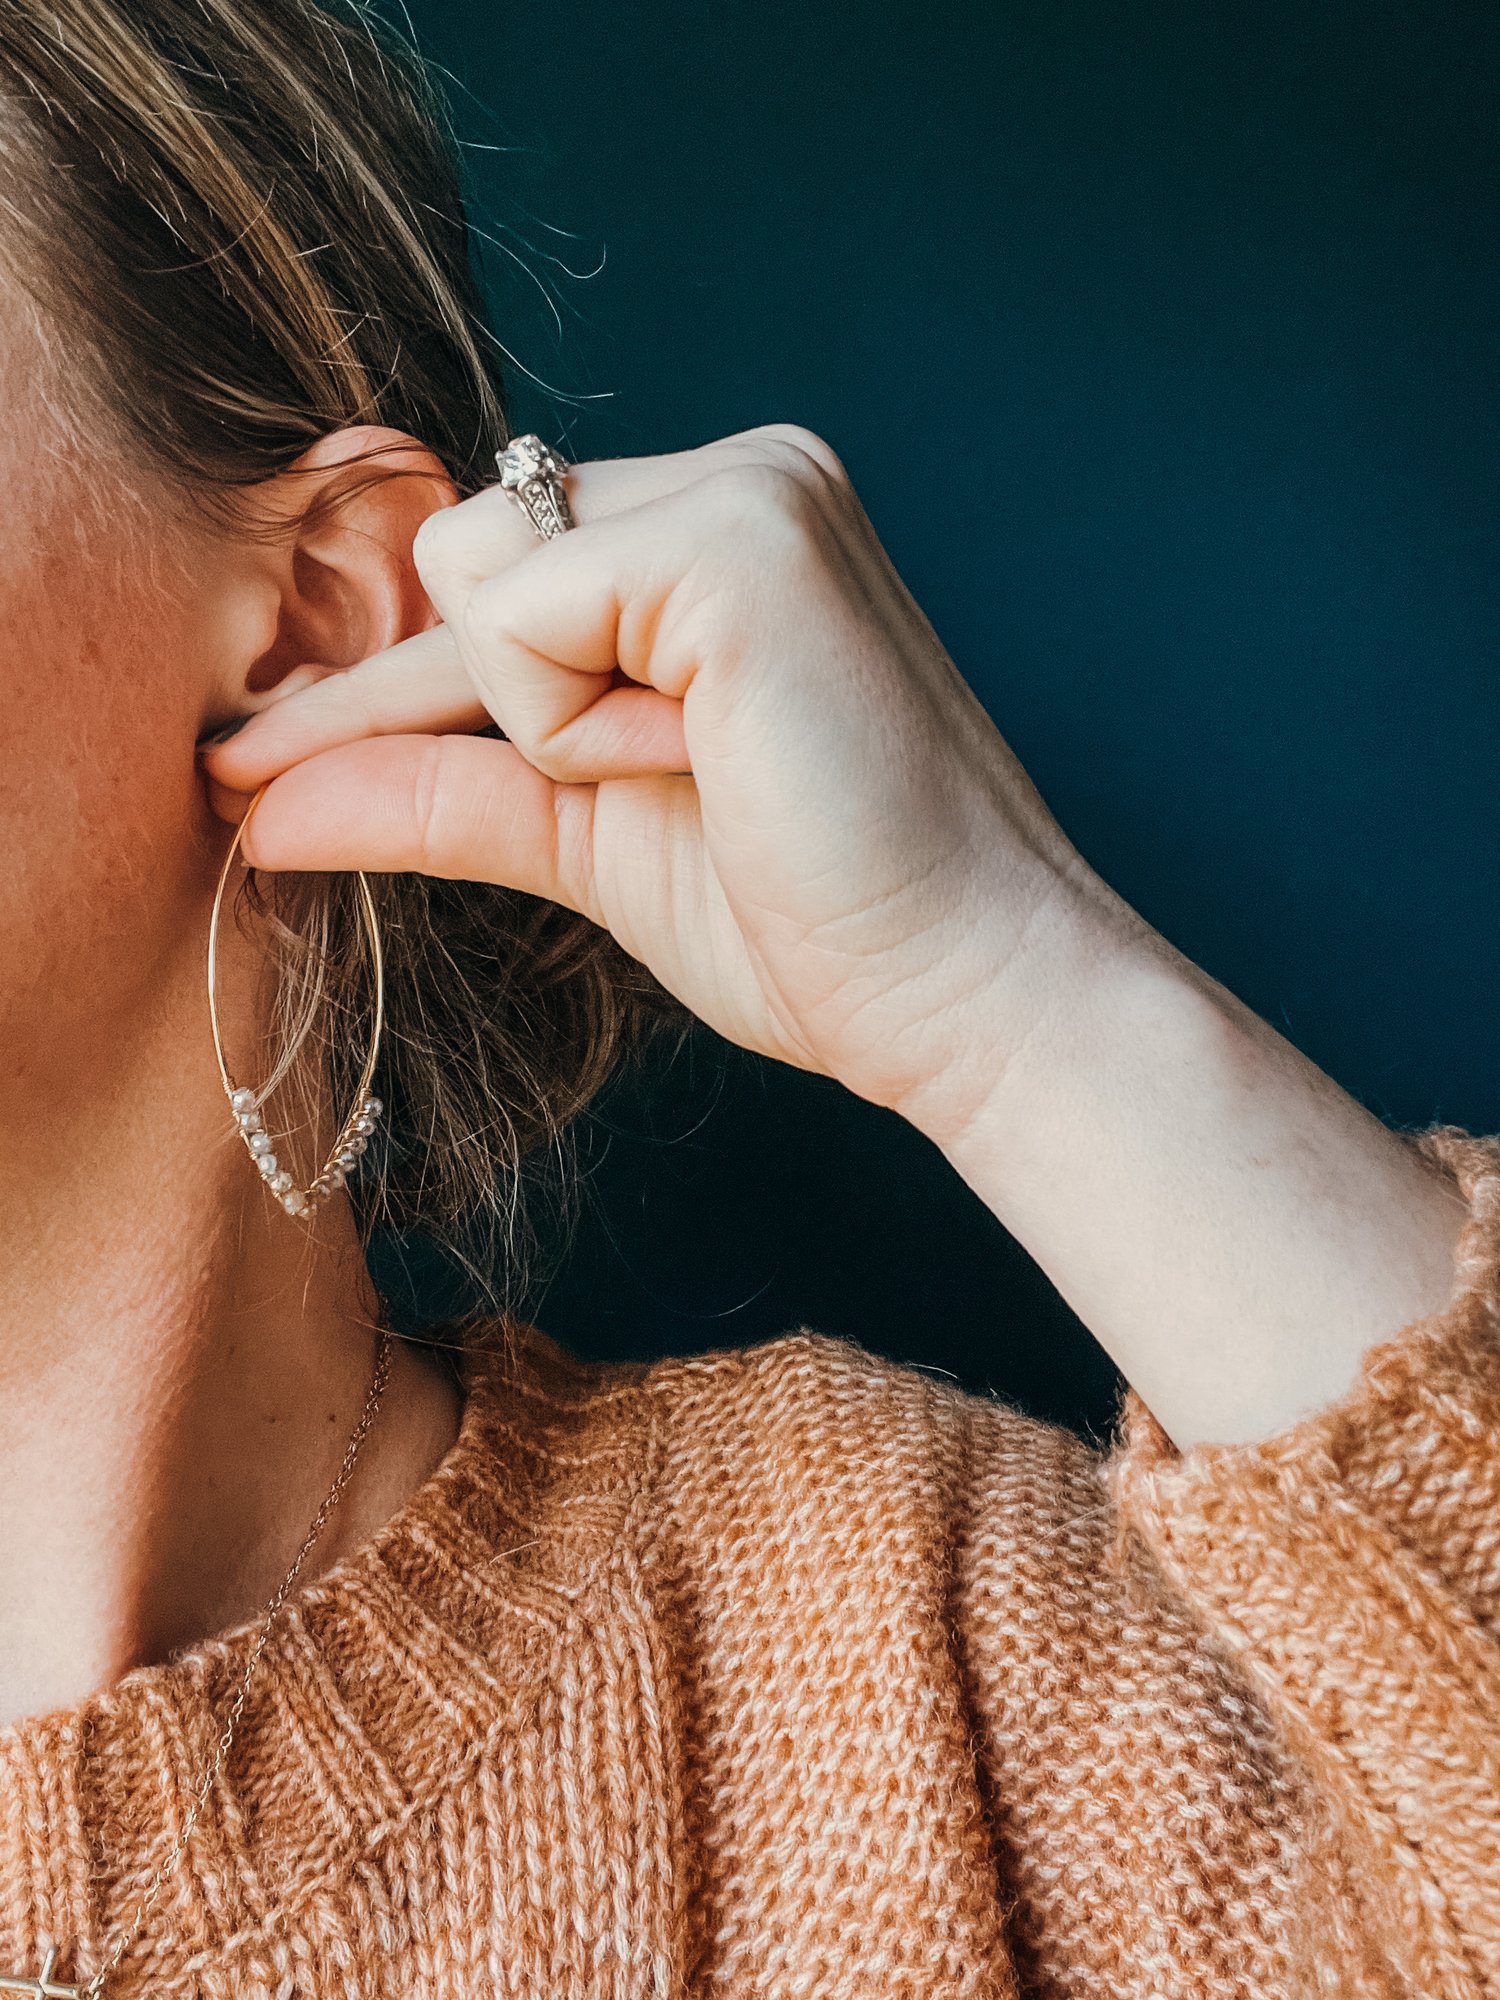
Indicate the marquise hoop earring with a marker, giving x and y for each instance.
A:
(245, 1104)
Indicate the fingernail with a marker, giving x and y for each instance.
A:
(223, 735)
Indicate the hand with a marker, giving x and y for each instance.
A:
(734, 740)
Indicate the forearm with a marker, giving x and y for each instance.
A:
(1232, 1226)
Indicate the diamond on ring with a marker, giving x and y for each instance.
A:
(532, 474)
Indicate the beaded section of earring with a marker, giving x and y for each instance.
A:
(341, 1162)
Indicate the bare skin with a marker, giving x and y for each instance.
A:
(816, 837)
(793, 809)
(179, 1365)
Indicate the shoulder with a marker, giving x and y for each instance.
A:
(815, 1455)
(804, 1463)
(828, 1401)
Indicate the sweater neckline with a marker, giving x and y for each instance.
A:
(382, 1676)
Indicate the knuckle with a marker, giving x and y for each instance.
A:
(547, 756)
(481, 618)
(490, 647)
(573, 816)
(430, 810)
(553, 763)
(803, 450)
(497, 660)
(767, 497)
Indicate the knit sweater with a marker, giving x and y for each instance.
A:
(794, 1673)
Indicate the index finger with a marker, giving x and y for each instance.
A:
(420, 683)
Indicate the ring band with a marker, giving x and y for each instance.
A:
(532, 474)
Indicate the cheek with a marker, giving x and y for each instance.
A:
(101, 814)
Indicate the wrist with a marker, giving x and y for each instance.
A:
(1234, 1229)
(1081, 952)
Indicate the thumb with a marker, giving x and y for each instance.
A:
(465, 807)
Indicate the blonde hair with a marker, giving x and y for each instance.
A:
(250, 211)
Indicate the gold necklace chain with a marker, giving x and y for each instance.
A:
(45, 1987)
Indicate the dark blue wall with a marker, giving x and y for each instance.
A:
(1188, 313)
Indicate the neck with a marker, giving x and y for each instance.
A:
(181, 1363)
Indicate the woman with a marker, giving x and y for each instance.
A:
(787, 1671)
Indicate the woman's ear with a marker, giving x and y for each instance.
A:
(334, 581)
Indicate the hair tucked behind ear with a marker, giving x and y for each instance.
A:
(249, 212)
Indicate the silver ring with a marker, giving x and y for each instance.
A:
(532, 474)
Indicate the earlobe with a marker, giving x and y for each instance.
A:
(348, 587)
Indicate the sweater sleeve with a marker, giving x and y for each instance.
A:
(1352, 1564)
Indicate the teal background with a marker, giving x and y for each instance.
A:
(1160, 342)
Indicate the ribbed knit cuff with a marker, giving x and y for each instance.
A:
(1351, 1563)
(1414, 1445)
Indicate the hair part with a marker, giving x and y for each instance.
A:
(246, 217)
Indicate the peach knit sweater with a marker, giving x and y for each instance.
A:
(791, 1673)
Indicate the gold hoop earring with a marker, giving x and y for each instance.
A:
(245, 1104)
